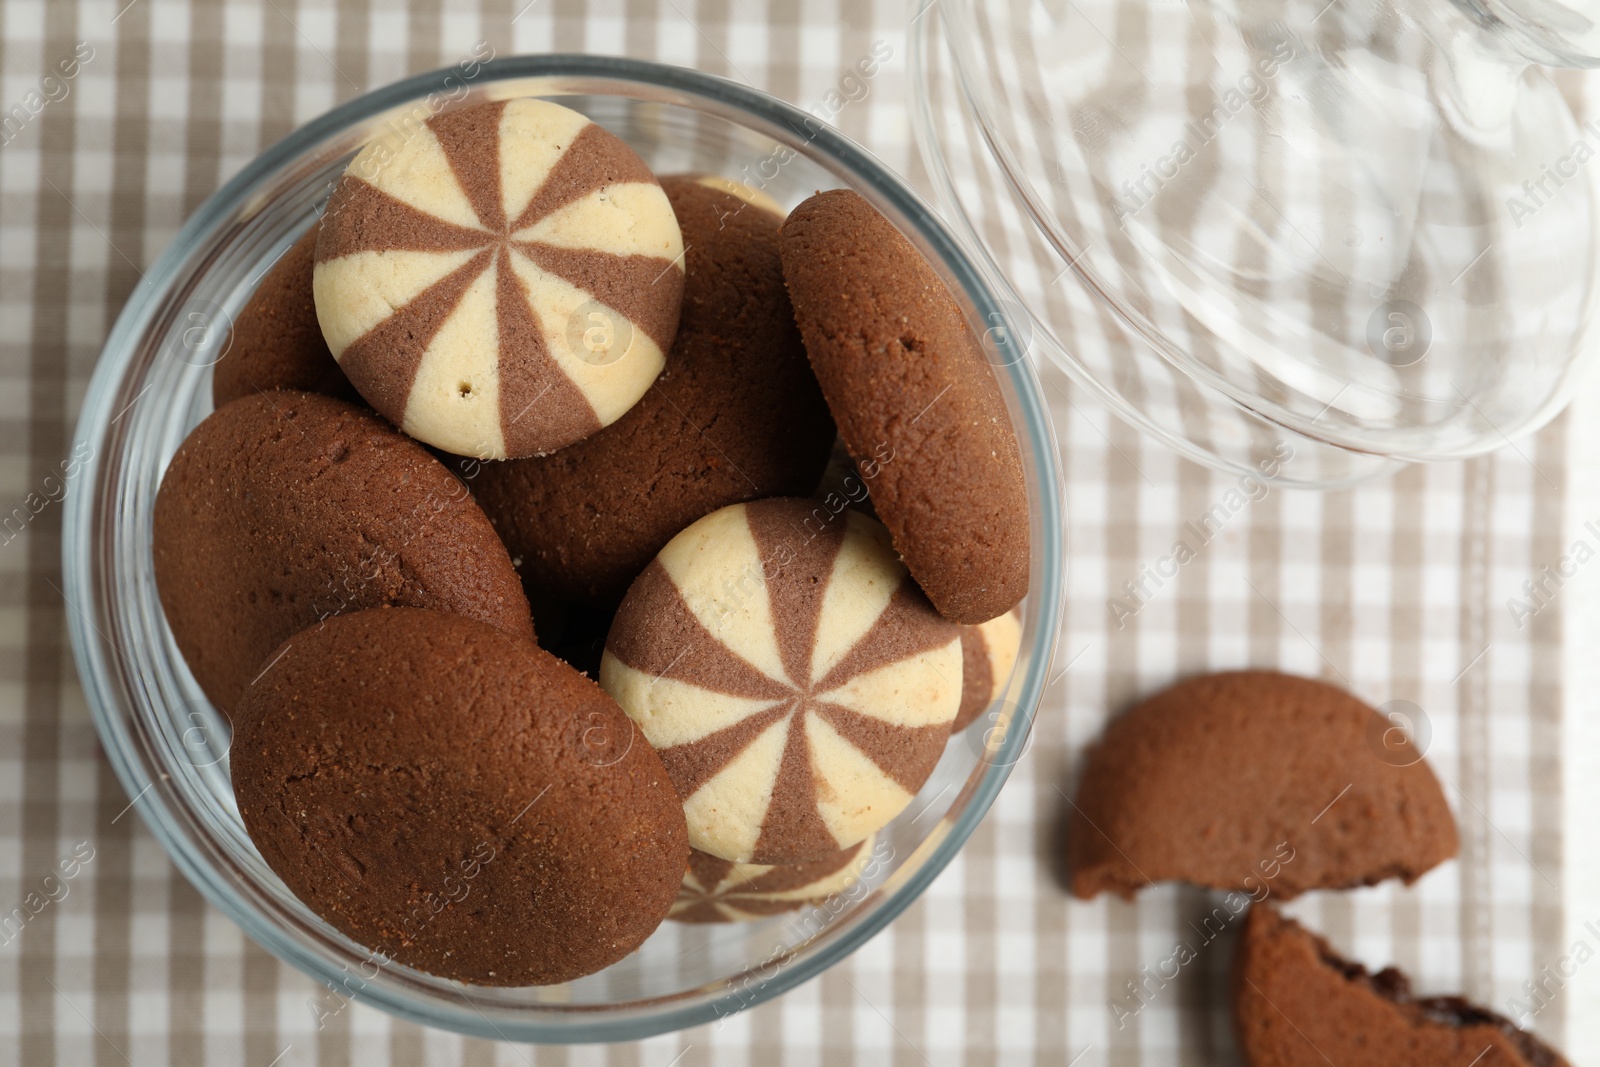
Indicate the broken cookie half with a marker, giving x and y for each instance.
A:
(1295, 1001)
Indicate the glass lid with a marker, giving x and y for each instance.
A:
(1362, 229)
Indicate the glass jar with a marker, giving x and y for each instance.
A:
(169, 747)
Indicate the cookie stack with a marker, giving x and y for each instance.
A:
(514, 382)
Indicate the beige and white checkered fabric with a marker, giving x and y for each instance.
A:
(1398, 590)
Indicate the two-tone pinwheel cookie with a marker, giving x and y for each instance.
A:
(989, 651)
(501, 280)
(797, 684)
(716, 891)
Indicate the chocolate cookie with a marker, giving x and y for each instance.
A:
(275, 342)
(456, 799)
(1295, 1002)
(283, 508)
(1253, 779)
(736, 415)
(716, 891)
(798, 685)
(502, 281)
(916, 403)
(988, 652)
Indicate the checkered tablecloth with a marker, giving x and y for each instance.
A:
(128, 114)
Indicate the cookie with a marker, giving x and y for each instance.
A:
(988, 652)
(1295, 1002)
(736, 415)
(502, 281)
(456, 799)
(275, 342)
(747, 194)
(798, 685)
(283, 508)
(1252, 779)
(916, 402)
(716, 891)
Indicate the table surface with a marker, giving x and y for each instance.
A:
(1397, 590)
